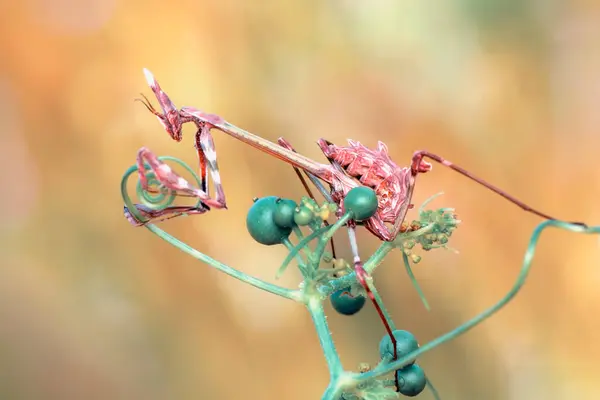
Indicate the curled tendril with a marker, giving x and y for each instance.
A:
(158, 198)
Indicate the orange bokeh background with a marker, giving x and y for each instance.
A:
(92, 308)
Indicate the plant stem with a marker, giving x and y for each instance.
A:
(377, 258)
(317, 313)
(257, 283)
(414, 281)
(299, 260)
(324, 239)
(384, 369)
(433, 390)
(302, 244)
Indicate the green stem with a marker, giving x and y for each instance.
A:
(427, 201)
(385, 369)
(301, 265)
(317, 313)
(414, 281)
(324, 239)
(432, 389)
(257, 283)
(298, 232)
(337, 284)
(333, 390)
(301, 245)
(377, 258)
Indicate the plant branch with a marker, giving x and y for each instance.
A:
(256, 282)
(384, 369)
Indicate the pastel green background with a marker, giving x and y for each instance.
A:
(91, 308)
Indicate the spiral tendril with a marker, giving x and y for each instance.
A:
(155, 197)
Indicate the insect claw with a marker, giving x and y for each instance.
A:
(423, 166)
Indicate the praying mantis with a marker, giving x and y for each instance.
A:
(348, 167)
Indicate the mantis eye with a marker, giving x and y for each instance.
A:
(345, 303)
(362, 202)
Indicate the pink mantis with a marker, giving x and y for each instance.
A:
(348, 167)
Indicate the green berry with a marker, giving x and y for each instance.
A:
(303, 216)
(406, 343)
(284, 213)
(261, 225)
(411, 380)
(345, 303)
(362, 201)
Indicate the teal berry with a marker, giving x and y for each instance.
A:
(345, 303)
(261, 225)
(411, 380)
(406, 343)
(362, 201)
(284, 213)
(303, 216)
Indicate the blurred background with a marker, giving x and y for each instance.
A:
(93, 308)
